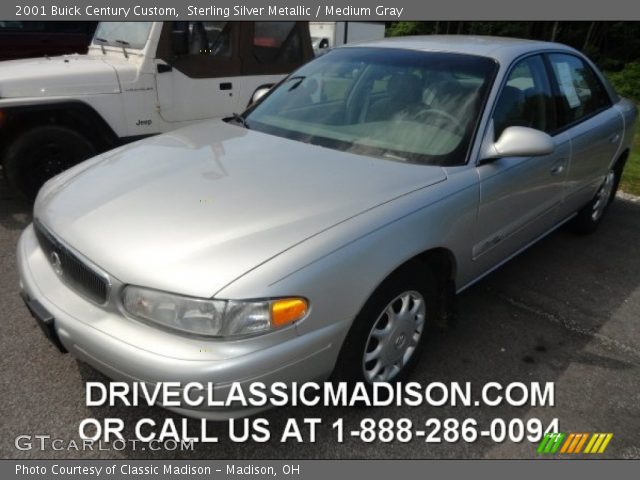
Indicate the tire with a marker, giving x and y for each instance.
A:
(590, 216)
(398, 341)
(41, 153)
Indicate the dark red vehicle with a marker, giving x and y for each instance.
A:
(37, 39)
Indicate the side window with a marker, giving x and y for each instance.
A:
(211, 39)
(581, 92)
(525, 100)
(277, 42)
(201, 49)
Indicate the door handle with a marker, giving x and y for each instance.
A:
(226, 86)
(557, 169)
(614, 138)
(163, 67)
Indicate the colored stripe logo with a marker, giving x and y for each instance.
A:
(574, 443)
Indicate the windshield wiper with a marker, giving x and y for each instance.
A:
(298, 79)
(124, 44)
(101, 41)
(236, 117)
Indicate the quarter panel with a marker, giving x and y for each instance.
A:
(595, 143)
(629, 114)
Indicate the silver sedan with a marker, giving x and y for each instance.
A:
(322, 231)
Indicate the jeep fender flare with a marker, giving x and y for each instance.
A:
(73, 114)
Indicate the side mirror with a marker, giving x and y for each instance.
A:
(258, 94)
(180, 42)
(519, 142)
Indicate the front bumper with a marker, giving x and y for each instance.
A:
(127, 350)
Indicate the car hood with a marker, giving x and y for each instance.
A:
(192, 210)
(55, 76)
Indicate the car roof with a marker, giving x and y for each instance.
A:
(499, 48)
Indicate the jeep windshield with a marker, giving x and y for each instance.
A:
(122, 34)
(397, 104)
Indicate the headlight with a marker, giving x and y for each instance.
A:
(219, 318)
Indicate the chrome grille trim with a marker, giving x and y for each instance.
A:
(76, 272)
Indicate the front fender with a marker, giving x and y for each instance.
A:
(339, 269)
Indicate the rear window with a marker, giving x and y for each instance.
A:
(277, 42)
(582, 94)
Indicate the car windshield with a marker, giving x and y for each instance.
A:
(402, 105)
(122, 34)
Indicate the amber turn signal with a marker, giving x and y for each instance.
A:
(285, 311)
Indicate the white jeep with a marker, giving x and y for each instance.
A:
(137, 79)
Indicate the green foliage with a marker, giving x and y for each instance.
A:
(627, 81)
(610, 44)
(400, 29)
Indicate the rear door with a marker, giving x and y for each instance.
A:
(595, 128)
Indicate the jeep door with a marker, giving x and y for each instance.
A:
(271, 50)
(211, 69)
(198, 70)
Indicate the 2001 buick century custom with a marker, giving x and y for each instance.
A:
(321, 231)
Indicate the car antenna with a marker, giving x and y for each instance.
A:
(101, 41)
(124, 44)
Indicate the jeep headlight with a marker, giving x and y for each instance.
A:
(218, 318)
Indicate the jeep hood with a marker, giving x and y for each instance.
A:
(192, 210)
(57, 76)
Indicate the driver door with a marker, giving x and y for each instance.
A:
(202, 80)
(520, 196)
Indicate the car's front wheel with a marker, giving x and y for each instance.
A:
(394, 337)
(387, 337)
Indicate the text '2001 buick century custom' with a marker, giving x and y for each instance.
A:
(320, 233)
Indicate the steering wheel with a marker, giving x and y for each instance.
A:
(457, 125)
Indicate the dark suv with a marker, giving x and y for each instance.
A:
(37, 39)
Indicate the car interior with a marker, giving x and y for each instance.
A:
(419, 108)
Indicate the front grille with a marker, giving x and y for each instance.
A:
(71, 269)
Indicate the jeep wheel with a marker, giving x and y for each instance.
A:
(41, 153)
